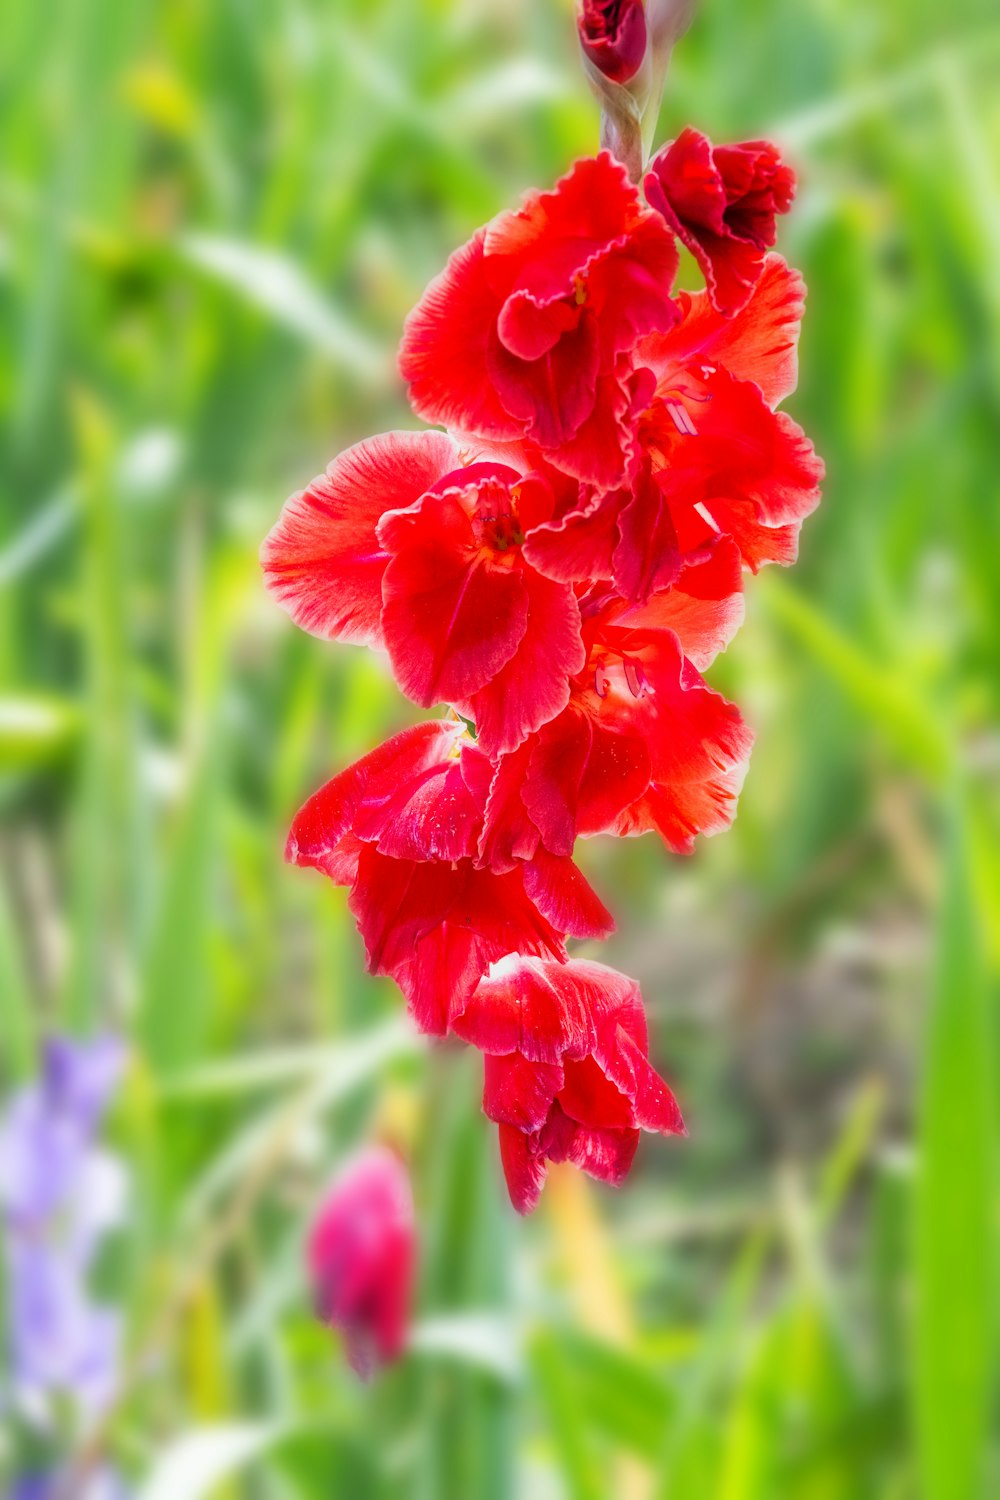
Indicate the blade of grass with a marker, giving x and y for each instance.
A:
(954, 1246)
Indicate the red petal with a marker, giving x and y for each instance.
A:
(760, 343)
(648, 556)
(534, 684)
(518, 1092)
(589, 1097)
(552, 395)
(630, 287)
(578, 545)
(451, 616)
(704, 608)
(543, 244)
(530, 326)
(445, 344)
(629, 1069)
(585, 769)
(755, 474)
(539, 1009)
(523, 1168)
(604, 1154)
(698, 745)
(508, 833)
(409, 796)
(563, 895)
(597, 451)
(322, 561)
(436, 928)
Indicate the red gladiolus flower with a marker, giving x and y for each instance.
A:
(401, 827)
(466, 619)
(362, 1257)
(613, 36)
(527, 332)
(560, 568)
(722, 201)
(400, 545)
(567, 1071)
(322, 560)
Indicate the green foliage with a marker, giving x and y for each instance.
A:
(213, 219)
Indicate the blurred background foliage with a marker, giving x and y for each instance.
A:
(213, 218)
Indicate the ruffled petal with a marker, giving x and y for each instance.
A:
(527, 1006)
(760, 343)
(704, 608)
(446, 340)
(322, 561)
(452, 617)
(648, 555)
(699, 747)
(742, 470)
(508, 833)
(602, 1153)
(578, 545)
(533, 686)
(409, 797)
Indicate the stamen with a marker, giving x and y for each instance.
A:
(635, 676)
(706, 515)
(682, 419)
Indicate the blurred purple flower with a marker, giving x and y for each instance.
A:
(104, 1485)
(59, 1195)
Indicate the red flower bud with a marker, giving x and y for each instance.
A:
(362, 1256)
(613, 36)
(722, 201)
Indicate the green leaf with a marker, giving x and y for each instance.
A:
(954, 1241)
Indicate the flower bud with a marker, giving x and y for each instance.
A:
(613, 36)
(362, 1256)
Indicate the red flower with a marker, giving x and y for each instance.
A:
(567, 1071)
(401, 827)
(399, 545)
(613, 36)
(322, 560)
(526, 331)
(362, 1256)
(722, 201)
(644, 744)
(466, 619)
(711, 456)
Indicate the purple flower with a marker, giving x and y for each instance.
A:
(59, 1195)
(104, 1485)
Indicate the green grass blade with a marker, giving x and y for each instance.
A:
(954, 1244)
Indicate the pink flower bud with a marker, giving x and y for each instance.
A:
(613, 36)
(362, 1257)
